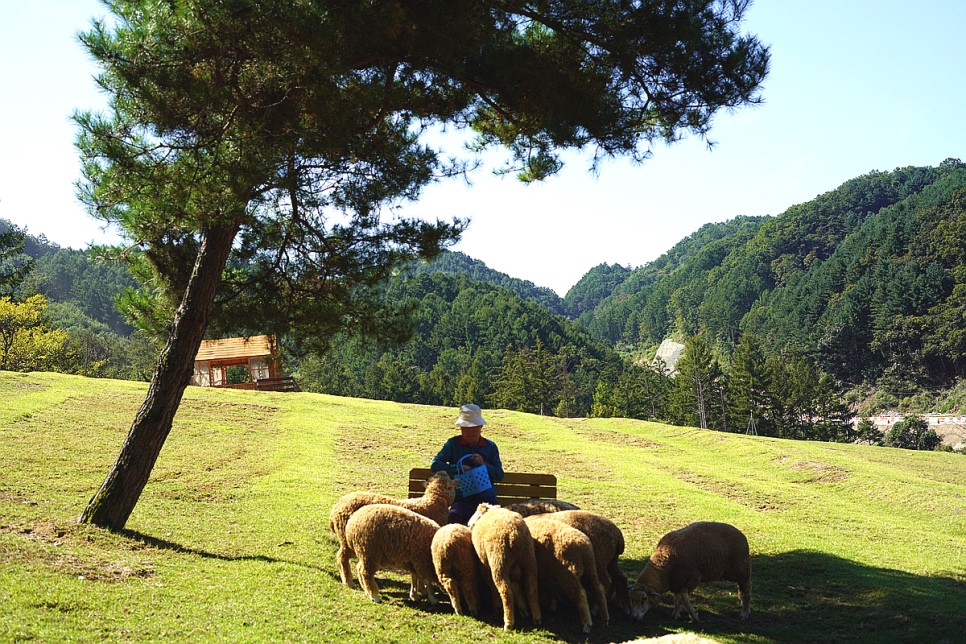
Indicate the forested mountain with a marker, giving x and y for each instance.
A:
(597, 284)
(868, 279)
(66, 275)
(78, 304)
(472, 341)
(456, 263)
(645, 305)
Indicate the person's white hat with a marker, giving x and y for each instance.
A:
(470, 416)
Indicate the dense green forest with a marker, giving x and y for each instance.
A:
(856, 298)
(867, 279)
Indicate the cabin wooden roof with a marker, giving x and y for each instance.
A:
(257, 346)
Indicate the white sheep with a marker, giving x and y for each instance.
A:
(505, 548)
(540, 506)
(433, 504)
(457, 566)
(608, 542)
(389, 536)
(703, 551)
(565, 561)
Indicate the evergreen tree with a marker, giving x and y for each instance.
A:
(14, 265)
(268, 138)
(530, 380)
(913, 432)
(866, 432)
(748, 386)
(698, 387)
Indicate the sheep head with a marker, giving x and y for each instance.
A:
(440, 484)
(645, 592)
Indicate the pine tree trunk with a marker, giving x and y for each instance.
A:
(113, 503)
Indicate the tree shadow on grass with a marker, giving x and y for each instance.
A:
(797, 596)
(164, 544)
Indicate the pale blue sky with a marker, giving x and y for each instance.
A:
(855, 86)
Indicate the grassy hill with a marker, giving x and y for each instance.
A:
(230, 539)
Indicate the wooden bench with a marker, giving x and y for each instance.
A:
(514, 488)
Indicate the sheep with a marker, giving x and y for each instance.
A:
(505, 548)
(433, 504)
(457, 566)
(608, 542)
(540, 506)
(388, 536)
(702, 551)
(565, 560)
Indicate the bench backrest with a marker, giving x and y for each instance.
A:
(515, 486)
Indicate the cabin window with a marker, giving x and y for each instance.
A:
(260, 369)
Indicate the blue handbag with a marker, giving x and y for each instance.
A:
(472, 481)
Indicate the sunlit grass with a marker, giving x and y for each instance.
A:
(230, 539)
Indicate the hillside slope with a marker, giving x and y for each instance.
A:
(229, 540)
(867, 278)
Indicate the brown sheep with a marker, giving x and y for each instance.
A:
(540, 506)
(503, 543)
(433, 504)
(457, 566)
(608, 541)
(565, 561)
(389, 536)
(703, 551)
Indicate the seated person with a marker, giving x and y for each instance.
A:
(481, 451)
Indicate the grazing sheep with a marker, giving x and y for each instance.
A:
(565, 561)
(608, 542)
(388, 536)
(433, 504)
(503, 543)
(702, 551)
(457, 566)
(540, 506)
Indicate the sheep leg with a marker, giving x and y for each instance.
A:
(603, 576)
(744, 594)
(414, 586)
(518, 598)
(452, 589)
(342, 559)
(619, 586)
(496, 601)
(471, 593)
(574, 591)
(367, 578)
(430, 590)
(533, 594)
(505, 593)
(684, 597)
(597, 589)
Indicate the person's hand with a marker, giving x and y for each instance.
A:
(476, 460)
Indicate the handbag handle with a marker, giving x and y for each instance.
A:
(459, 463)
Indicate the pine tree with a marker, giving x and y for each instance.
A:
(251, 149)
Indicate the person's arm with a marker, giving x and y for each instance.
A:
(495, 466)
(443, 461)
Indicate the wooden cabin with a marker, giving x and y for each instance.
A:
(241, 363)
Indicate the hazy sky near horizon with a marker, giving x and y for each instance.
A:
(855, 86)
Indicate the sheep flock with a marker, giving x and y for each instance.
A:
(525, 559)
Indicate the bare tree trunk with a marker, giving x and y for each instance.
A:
(113, 503)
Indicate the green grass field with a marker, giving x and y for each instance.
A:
(230, 539)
